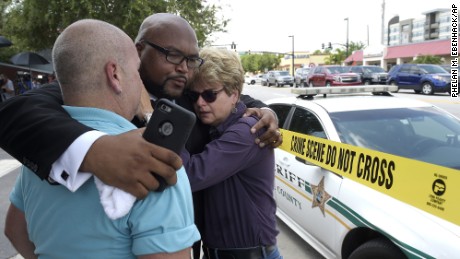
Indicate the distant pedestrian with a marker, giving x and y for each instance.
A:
(7, 87)
(51, 78)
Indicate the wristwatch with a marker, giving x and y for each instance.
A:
(147, 117)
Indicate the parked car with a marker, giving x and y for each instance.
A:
(332, 76)
(370, 74)
(250, 80)
(300, 76)
(422, 78)
(279, 78)
(343, 218)
(264, 79)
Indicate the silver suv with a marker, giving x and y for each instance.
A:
(279, 78)
(300, 77)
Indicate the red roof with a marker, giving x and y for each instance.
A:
(433, 48)
(356, 56)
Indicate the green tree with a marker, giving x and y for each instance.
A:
(35, 24)
(352, 46)
(317, 52)
(5, 52)
(337, 56)
(256, 63)
(427, 60)
(250, 62)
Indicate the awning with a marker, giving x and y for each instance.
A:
(432, 48)
(46, 69)
(357, 56)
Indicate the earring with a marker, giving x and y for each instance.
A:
(234, 109)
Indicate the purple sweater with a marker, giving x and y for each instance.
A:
(237, 179)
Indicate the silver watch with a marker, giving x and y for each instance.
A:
(147, 117)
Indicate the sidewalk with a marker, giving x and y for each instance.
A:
(8, 165)
(7, 179)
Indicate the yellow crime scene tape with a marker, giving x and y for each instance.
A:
(432, 188)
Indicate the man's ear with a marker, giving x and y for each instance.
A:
(112, 70)
(139, 48)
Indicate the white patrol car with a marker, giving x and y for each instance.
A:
(342, 218)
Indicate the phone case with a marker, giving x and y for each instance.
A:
(170, 125)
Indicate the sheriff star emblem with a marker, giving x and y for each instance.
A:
(320, 196)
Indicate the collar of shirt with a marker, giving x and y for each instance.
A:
(154, 99)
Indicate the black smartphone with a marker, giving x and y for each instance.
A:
(169, 127)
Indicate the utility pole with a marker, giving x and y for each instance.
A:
(383, 24)
(292, 36)
(346, 19)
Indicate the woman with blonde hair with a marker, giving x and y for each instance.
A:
(235, 176)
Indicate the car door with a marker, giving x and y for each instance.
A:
(318, 77)
(359, 71)
(415, 77)
(271, 78)
(404, 76)
(302, 189)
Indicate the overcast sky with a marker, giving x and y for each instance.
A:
(265, 25)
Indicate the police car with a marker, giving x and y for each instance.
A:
(342, 217)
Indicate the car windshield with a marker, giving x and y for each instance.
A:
(424, 134)
(447, 68)
(337, 70)
(433, 69)
(283, 73)
(305, 72)
(374, 69)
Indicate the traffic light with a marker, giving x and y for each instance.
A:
(233, 45)
(330, 45)
(322, 45)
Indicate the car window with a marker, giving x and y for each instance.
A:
(432, 69)
(416, 70)
(282, 112)
(393, 69)
(305, 122)
(417, 133)
(336, 70)
(374, 69)
(284, 73)
(355, 69)
(405, 69)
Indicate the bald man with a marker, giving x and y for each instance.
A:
(103, 93)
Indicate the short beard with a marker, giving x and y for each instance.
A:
(160, 91)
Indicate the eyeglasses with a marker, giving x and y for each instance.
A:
(177, 58)
(208, 96)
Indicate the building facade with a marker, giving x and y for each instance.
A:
(302, 59)
(407, 39)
